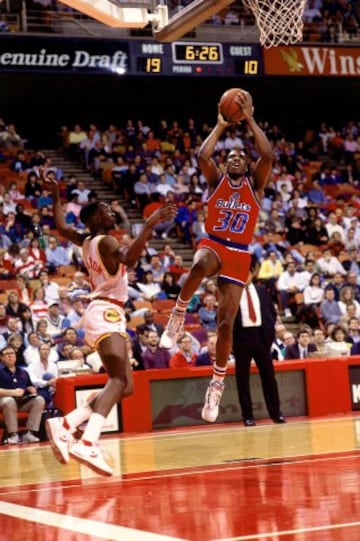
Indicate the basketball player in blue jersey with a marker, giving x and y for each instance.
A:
(104, 323)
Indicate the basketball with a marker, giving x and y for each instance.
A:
(229, 108)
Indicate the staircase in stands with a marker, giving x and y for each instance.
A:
(72, 167)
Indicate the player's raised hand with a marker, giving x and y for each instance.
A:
(163, 214)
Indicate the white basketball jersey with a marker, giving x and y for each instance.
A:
(102, 282)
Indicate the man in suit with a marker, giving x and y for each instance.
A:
(149, 324)
(254, 333)
(302, 346)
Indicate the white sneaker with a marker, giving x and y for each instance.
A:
(29, 437)
(13, 440)
(60, 438)
(92, 456)
(287, 312)
(213, 396)
(173, 329)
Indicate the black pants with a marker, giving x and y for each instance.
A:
(253, 346)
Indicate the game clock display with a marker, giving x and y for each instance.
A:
(200, 59)
(197, 53)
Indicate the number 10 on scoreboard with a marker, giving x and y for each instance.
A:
(251, 67)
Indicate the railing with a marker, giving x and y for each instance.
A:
(71, 23)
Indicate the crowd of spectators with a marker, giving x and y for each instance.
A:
(307, 242)
(324, 20)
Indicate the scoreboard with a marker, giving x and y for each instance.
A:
(129, 58)
(196, 58)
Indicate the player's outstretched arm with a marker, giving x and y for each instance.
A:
(261, 173)
(207, 164)
(163, 214)
(67, 231)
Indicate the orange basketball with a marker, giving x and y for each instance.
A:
(229, 108)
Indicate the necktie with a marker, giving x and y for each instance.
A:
(252, 314)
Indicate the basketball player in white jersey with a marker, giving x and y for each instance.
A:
(104, 323)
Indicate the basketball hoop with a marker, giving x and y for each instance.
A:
(279, 21)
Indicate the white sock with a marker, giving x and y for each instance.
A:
(93, 428)
(77, 417)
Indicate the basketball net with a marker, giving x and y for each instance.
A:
(279, 21)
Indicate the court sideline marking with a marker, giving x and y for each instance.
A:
(80, 525)
(270, 535)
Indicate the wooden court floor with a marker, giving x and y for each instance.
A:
(293, 482)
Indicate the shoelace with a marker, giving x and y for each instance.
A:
(215, 394)
(176, 323)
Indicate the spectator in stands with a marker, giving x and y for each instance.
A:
(346, 297)
(71, 336)
(13, 326)
(32, 187)
(177, 268)
(329, 308)
(38, 305)
(77, 311)
(26, 265)
(337, 282)
(6, 268)
(31, 352)
(56, 255)
(316, 194)
(139, 345)
(278, 346)
(41, 329)
(154, 356)
(17, 393)
(16, 341)
(149, 288)
(186, 216)
(57, 322)
(288, 285)
(46, 218)
(79, 286)
(5, 241)
(207, 357)
(20, 163)
(351, 262)
(149, 324)
(327, 265)
(169, 287)
(302, 346)
(37, 253)
(14, 307)
(3, 318)
(51, 288)
(319, 340)
(313, 297)
(184, 356)
(43, 373)
(167, 256)
(337, 343)
(208, 312)
(157, 268)
(352, 281)
(336, 245)
(82, 192)
(11, 229)
(353, 327)
(270, 270)
(317, 233)
(198, 229)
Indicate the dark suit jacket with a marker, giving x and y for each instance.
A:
(355, 349)
(144, 327)
(293, 352)
(268, 317)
